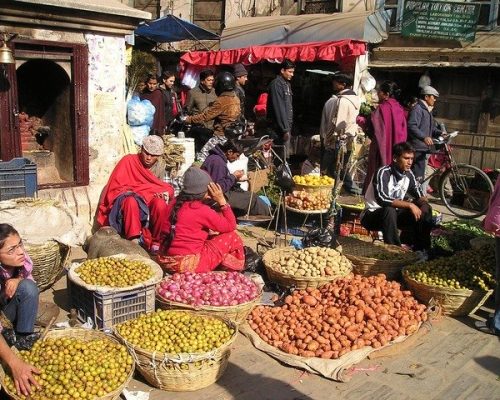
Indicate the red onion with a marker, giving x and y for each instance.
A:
(210, 288)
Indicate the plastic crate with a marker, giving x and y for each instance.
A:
(17, 179)
(108, 309)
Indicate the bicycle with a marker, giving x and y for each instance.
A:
(464, 189)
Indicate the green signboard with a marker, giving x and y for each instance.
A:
(440, 20)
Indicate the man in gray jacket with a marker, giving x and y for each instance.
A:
(422, 128)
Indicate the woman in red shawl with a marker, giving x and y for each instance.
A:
(156, 96)
(200, 237)
(389, 126)
(135, 201)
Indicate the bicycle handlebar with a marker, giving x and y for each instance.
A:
(445, 138)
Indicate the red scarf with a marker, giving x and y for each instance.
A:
(130, 175)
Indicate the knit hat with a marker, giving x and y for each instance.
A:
(239, 70)
(153, 144)
(429, 90)
(196, 181)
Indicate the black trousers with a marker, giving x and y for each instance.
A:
(200, 135)
(390, 219)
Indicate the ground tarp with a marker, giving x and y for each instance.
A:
(371, 27)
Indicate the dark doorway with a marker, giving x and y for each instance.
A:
(44, 95)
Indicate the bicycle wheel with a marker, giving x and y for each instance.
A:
(465, 191)
(358, 171)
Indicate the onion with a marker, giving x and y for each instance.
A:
(211, 288)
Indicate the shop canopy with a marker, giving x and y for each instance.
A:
(172, 29)
(343, 52)
(371, 27)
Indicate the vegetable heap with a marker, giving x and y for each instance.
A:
(468, 269)
(76, 369)
(313, 262)
(115, 272)
(345, 315)
(456, 235)
(313, 180)
(307, 201)
(211, 288)
(175, 332)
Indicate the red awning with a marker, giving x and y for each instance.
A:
(343, 52)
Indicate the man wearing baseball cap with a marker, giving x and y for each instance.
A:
(422, 128)
(135, 201)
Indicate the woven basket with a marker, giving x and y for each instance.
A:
(49, 260)
(286, 280)
(84, 335)
(361, 253)
(454, 302)
(184, 372)
(236, 314)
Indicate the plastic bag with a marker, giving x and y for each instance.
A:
(283, 177)
(139, 133)
(321, 237)
(140, 112)
(253, 261)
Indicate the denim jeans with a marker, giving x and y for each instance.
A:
(496, 316)
(22, 309)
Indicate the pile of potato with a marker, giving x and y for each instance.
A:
(309, 201)
(313, 262)
(342, 316)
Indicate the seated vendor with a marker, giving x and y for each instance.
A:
(216, 165)
(19, 292)
(199, 237)
(388, 207)
(134, 201)
(311, 166)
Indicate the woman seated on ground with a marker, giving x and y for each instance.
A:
(201, 238)
(19, 292)
(216, 165)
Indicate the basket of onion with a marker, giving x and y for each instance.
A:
(229, 295)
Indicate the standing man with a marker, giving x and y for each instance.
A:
(198, 100)
(154, 94)
(241, 75)
(339, 120)
(388, 208)
(224, 111)
(421, 129)
(280, 105)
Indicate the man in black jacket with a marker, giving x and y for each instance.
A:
(279, 103)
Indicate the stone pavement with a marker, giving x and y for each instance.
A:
(453, 361)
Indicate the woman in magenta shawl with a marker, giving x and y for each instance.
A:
(389, 127)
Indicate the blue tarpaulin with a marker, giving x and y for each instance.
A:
(172, 29)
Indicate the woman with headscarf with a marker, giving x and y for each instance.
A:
(200, 237)
(389, 126)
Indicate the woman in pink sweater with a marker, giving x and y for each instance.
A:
(201, 238)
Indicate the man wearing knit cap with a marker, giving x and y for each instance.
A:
(135, 201)
(241, 75)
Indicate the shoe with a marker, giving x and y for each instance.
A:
(422, 255)
(486, 327)
(26, 342)
(9, 336)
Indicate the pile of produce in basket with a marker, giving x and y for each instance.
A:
(114, 272)
(313, 262)
(455, 236)
(308, 201)
(176, 332)
(342, 316)
(468, 269)
(313, 180)
(209, 289)
(72, 368)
